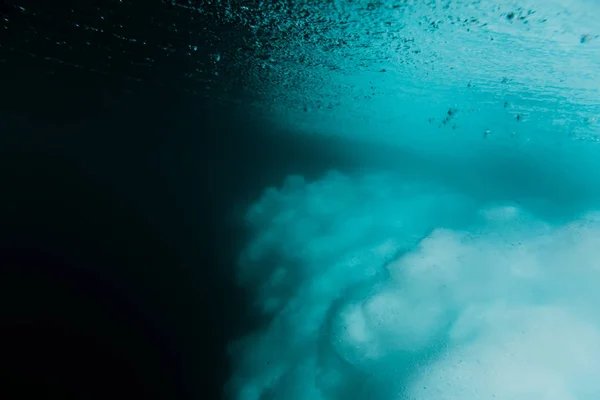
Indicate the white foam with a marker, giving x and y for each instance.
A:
(441, 306)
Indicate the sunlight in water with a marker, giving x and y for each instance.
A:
(469, 271)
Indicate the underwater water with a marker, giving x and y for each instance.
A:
(467, 264)
(305, 199)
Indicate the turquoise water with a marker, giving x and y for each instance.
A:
(468, 267)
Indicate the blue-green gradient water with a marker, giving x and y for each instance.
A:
(466, 264)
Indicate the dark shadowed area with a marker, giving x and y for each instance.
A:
(120, 188)
(119, 236)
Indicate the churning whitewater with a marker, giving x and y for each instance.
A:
(372, 286)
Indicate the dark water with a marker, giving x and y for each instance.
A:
(119, 231)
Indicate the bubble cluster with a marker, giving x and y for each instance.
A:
(371, 286)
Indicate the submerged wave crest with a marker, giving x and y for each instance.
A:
(371, 286)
